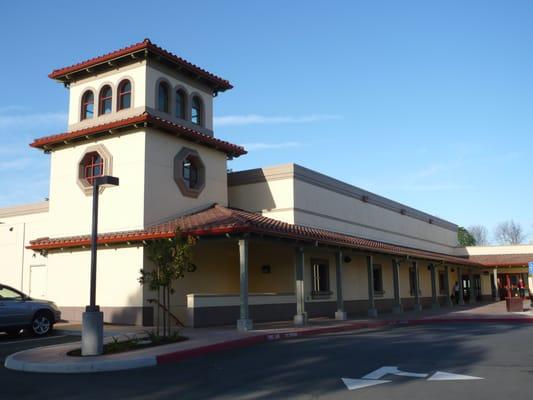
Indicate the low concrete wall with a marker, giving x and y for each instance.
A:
(213, 310)
(143, 316)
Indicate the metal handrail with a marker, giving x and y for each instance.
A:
(178, 322)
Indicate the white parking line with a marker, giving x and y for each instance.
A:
(22, 341)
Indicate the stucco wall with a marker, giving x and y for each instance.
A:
(163, 198)
(117, 277)
(155, 72)
(135, 72)
(15, 234)
(121, 208)
(298, 195)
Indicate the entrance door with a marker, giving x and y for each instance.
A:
(38, 278)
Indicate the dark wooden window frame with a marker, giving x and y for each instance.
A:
(103, 99)
(121, 94)
(163, 86)
(181, 108)
(197, 109)
(85, 103)
(92, 162)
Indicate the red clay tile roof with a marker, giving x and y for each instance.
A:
(216, 82)
(503, 260)
(184, 132)
(220, 220)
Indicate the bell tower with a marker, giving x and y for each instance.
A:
(144, 115)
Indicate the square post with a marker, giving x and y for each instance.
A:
(244, 323)
(495, 291)
(397, 307)
(472, 294)
(461, 300)
(418, 306)
(299, 261)
(340, 314)
(449, 302)
(372, 311)
(434, 299)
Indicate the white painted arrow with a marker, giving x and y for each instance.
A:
(448, 376)
(353, 384)
(381, 372)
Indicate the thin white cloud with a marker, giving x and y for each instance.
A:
(268, 146)
(255, 119)
(32, 120)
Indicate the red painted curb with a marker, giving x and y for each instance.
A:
(268, 337)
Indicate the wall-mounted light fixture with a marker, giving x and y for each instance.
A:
(347, 259)
(191, 268)
(265, 269)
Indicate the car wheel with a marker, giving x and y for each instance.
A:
(41, 324)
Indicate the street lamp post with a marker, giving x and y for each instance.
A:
(92, 338)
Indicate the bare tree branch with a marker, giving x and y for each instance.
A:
(509, 232)
(480, 233)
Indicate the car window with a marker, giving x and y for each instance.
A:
(8, 294)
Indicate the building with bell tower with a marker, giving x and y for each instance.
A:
(274, 243)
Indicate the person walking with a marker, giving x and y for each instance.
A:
(521, 288)
(456, 289)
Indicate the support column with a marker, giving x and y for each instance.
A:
(461, 289)
(244, 323)
(340, 314)
(472, 297)
(495, 292)
(301, 316)
(418, 306)
(372, 311)
(397, 307)
(449, 302)
(434, 299)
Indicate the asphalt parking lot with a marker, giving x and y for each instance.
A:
(10, 345)
(312, 368)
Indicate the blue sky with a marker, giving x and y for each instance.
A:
(428, 103)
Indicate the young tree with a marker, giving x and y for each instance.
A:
(480, 234)
(171, 258)
(509, 232)
(465, 238)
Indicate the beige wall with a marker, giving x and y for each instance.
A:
(494, 250)
(117, 277)
(135, 72)
(162, 197)
(121, 208)
(15, 233)
(297, 195)
(155, 71)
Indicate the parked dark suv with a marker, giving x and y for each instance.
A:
(19, 311)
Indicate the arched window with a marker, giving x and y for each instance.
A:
(105, 100)
(92, 166)
(196, 111)
(163, 94)
(87, 105)
(124, 95)
(180, 103)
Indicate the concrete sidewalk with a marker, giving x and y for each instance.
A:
(53, 359)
